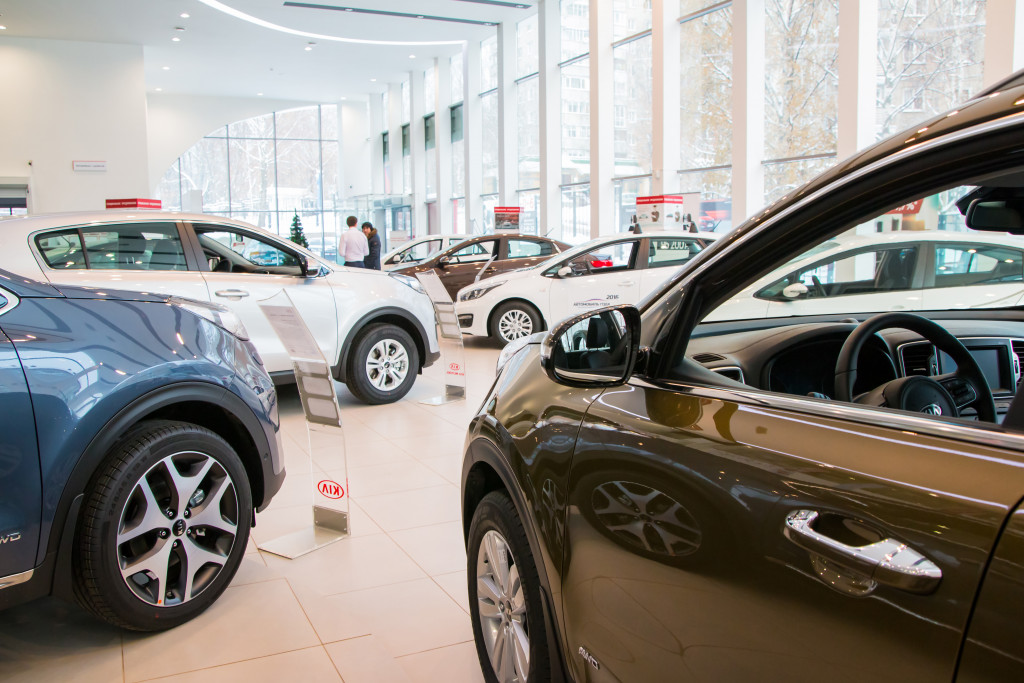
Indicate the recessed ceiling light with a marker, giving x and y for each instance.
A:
(373, 80)
(412, 56)
(3, 28)
(342, 98)
(259, 94)
(176, 39)
(166, 68)
(309, 46)
(348, 9)
(419, 16)
(159, 89)
(184, 15)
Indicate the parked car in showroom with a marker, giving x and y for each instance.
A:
(483, 256)
(377, 330)
(687, 496)
(608, 270)
(417, 249)
(141, 434)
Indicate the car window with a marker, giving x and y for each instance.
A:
(476, 252)
(518, 248)
(129, 246)
(850, 273)
(669, 251)
(257, 255)
(965, 265)
(608, 258)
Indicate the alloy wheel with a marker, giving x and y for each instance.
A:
(177, 529)
(387, 364)
(502, 607)
(515, 323)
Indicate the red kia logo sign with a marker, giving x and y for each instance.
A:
(454, 367)
(330, 489)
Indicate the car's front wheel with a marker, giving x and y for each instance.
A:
(504, 595)
(164, 526)
(383, 364)
(514, 320)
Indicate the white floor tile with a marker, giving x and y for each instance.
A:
(311, 665)
(438, 549)
(365, 660)
(421, 507)
(374, 480)
(454, 584)
(456, 663)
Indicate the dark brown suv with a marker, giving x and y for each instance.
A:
(484, 256)
(812, 488)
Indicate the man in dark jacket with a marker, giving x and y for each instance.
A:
(372, 260)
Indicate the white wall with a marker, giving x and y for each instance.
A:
(67, 101)
(355, 174)
(176, 122)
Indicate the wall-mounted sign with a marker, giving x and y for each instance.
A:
(908, 209)
(133, 203)
(668, 211)
(507, 218)
(89, 166)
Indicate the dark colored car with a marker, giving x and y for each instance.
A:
(484, 256)
(652, 496)
(140, 435)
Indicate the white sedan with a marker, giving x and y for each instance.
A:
(418, 249)
(617, 269)
(906, 270)
(375, 329)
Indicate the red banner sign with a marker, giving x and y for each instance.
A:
(908, 209)
(133, 203)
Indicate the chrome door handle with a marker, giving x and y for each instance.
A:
(888, 562)
(627, 283)
(232, 293)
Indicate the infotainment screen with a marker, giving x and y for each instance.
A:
(994, 362)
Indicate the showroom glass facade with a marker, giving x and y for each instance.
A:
(927, 56)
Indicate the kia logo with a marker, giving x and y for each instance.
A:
(931, 409)
(330, 489)
(454, 367)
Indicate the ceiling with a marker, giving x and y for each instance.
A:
(249, 48)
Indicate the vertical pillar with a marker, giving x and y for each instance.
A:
(395, 137)
(376, 143)
(666, 103)
(443, 142)
(472, 134)
(418, 151)
(858, 47)
(1004, 39)
(548, 38)
(747, 108)
(602, 122)
(508, 166)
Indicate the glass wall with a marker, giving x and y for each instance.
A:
(630, 17)
(526, 47)
(489, 150)
(489, 64)
(265, 170)
(632, 114)
(575, 227)
(456, 79)
(528, 102)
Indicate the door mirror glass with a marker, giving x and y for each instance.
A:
(308, 266)
(598, 348)
(564, 271)
(795, 290)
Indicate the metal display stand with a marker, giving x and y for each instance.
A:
(323, 427)
(449, 338)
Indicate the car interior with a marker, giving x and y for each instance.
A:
(242, 253)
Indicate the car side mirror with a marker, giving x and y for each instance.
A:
(308, 266)
(564, 271)
(213, 262)
(795, 290)
(595, 349)
(444, 261)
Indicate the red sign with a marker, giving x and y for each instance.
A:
(660, 199)
(134, 203)
(455, 369)
(908, 209)
(508, 209)
(330, 489)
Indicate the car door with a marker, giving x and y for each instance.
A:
(147, 256)
(665, 255)
(965, 275)
(21, 501)
(603, 276)
(521, 252)
(461, 266)
(247, 269)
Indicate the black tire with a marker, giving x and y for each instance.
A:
(513, 320)
(116, 504)
(497, 515)
(368, 347)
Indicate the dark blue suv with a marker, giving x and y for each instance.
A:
(140, 434)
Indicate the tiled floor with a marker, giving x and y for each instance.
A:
(387, 604)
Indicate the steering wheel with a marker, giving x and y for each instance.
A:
(947, 394)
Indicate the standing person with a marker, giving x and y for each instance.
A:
(372, 260)
(353, 246)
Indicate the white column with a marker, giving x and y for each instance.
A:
(418, 151)
(508, 166)
(665, 103)
(747, 108)
(602, 131)
(472, 134)
(376, 144)
(550, 103)
(1004, 39)
(858, 48)
(395, 137)
(443, 142)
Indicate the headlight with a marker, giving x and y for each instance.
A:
(511, 349)
(478, 292)
(408, 281)
(221, 316)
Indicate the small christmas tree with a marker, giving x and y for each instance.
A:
(297, 236)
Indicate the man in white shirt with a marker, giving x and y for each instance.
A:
(353, 246)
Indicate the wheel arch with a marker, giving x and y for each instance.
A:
(519, 300)
(207, 405)
(391, 315)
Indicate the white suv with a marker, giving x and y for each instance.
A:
(377, 329)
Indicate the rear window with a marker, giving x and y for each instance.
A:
(62, 250)
(129, 246)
